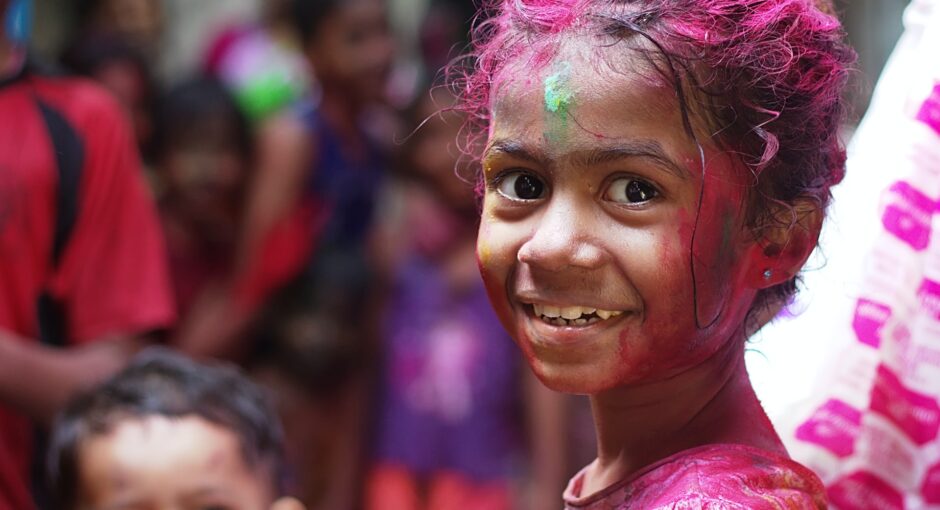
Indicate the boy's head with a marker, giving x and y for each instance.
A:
(168, 432)
(348, 43)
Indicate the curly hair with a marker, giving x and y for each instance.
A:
(764, 77)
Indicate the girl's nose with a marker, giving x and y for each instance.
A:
(564, 237)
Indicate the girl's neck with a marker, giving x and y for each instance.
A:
(708, 404)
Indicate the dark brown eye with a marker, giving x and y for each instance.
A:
(627, 190)
(521, 186)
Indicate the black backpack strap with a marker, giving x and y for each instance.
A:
(69, 158)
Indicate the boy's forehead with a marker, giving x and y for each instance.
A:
(164, 455)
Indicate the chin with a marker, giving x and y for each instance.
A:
(569, 378)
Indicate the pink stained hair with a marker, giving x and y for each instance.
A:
(765, 77)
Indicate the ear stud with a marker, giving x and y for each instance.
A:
(768, 273)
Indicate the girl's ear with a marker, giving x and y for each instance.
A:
(287, 504)
(786, 241)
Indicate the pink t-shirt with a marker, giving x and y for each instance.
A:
(722, 476)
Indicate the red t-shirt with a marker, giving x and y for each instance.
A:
(112, 276)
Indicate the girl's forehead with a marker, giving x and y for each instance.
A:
(580, 71)
(583, 95)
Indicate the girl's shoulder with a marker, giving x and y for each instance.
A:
(726, 476)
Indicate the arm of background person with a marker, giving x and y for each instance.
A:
(38, 380)
(285, 150)
(216, 326)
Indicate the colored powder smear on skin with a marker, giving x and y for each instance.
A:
(557, 94)
(558, 100)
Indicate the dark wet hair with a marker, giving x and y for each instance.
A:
(308, 342)
(182, 111)
(309, 16)
(160, 382)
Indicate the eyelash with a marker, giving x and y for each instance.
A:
(651, 189)
(502, 179)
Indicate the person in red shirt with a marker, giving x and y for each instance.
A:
(77, 226)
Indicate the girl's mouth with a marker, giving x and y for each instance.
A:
(571, 316)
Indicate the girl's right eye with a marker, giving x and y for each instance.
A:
(519, 185)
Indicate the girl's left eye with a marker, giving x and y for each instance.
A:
(629, 190)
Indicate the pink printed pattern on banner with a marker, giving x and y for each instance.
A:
(929, 294)
(930, 489)
(865, 491)
(930, 111)
(908, 215)
(834, 426)
(917, 415)
(870, 318)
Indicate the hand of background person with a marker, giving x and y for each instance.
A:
(38, 380)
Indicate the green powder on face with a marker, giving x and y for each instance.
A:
(558, 96)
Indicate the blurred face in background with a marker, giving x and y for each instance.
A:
(140, 22)
(435, 155)
(130, 85)
(205, 173)
(352, 49)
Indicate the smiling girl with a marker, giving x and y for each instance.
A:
(655, 175)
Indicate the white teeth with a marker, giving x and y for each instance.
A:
(571, 312)
(572, 315)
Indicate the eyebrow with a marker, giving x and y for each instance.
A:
(643, 148)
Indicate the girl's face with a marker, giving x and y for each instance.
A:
(589, 241)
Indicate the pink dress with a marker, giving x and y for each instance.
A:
(722, 476)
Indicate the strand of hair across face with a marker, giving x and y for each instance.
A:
(633, 25)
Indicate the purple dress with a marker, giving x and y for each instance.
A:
(450, 393)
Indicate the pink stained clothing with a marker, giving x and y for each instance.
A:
(720, 476)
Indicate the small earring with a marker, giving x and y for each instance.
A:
(768, 273)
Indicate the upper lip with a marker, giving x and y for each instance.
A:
(530, 299)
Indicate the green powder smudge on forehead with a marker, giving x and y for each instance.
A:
(558, 96)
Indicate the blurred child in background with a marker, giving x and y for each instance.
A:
(320, 152)
(168, 432)
(316, 371)
(123, 70)
(203, 150)
(261, 62)
(139, 23)
(453, 395)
